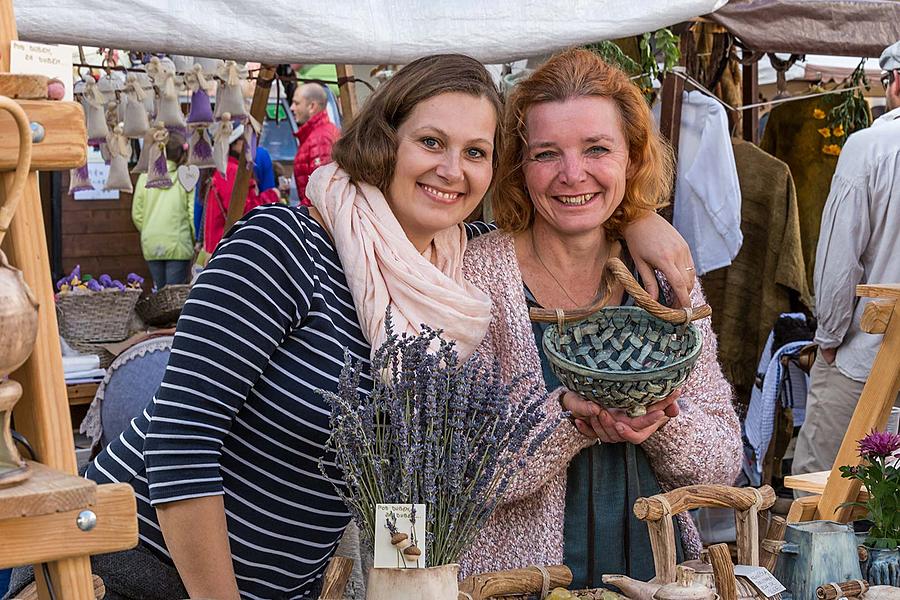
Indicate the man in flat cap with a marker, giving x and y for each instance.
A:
(859, 242)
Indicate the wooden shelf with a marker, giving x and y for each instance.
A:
(815, 483)
(55, 536)
(47, 491)
(81, 393)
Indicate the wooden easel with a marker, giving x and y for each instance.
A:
(38, 517)
(872, 410)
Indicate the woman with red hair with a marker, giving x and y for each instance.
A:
(582, 161)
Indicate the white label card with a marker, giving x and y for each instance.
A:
(761, 579)
(399, 533)
(43, 59)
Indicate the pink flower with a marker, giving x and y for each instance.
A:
(879, 444)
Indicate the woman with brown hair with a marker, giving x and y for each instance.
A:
(582, 162)
(225, 460)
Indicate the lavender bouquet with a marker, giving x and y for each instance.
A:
(434, 430)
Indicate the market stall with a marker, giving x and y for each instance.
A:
(40, 410)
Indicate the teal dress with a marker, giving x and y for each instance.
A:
(601, 533)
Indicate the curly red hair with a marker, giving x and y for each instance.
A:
(577, 73)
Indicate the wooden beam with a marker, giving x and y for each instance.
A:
(26, 87)
(884, 290)
(750, 116)
(876, 316)
(30, 540)
(64, 145)
(258, 112)
(47, 491)
(670, 125)
(41, 414)
(872, 411)
(803, 509)
(348, 94)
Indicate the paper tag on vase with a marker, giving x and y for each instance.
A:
(399, 533)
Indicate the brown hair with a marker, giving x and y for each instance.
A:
(367, 149)
(175, 147)
(571, 74)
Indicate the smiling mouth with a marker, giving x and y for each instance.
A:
(440, 195)
(576, 200)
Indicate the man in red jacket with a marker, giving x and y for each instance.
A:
(316, 134)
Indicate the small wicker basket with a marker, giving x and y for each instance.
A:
(626, 357)
(163, 307)
(96, 316)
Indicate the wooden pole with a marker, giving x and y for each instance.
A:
(670, 125)
(42, 414)
(258, 112)
(750, 116)
(872, 409)
(348, 94)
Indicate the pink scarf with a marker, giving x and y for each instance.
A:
(383, 268)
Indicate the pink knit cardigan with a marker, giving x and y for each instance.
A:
(701, 445)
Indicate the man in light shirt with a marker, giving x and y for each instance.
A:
(859, 242)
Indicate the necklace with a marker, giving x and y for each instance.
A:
(549, 272)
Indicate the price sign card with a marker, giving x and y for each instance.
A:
(400, 536)
(761, 579)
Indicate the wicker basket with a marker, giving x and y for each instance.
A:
(96, 316)
(163, 307)
(626, 356)
(623, 357)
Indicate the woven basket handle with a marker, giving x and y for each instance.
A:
(15, 191)
(648, 303)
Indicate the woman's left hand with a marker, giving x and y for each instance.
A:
(654, 243)
(613, 426)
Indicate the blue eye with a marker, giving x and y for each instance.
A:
(597, 150)
(430, 142)
(476, 153)
(545, 155)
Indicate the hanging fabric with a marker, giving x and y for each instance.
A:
(158, 169)
(168, 109)
(136, 122)
(221, 143)
(200, 151)
(120, 152)
(80, 179)
(94, 102)
(707, 191)
(230, 96)
(201, 108)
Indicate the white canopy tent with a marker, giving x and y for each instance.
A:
(347, 31)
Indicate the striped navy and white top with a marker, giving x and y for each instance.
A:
(266, 324)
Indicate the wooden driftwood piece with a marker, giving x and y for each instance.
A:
(768, 558)
(513, 582)
(658, 512)
(335, 579)
(849, 589)
(723, 571)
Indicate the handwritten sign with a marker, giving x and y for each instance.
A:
(399, 533)
(42, 59)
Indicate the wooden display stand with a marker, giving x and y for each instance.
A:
(38, 519)
(872, 412)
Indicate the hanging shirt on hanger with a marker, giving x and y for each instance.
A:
(707, 192)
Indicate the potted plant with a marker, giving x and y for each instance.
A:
(437, 431)
(880, 474)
